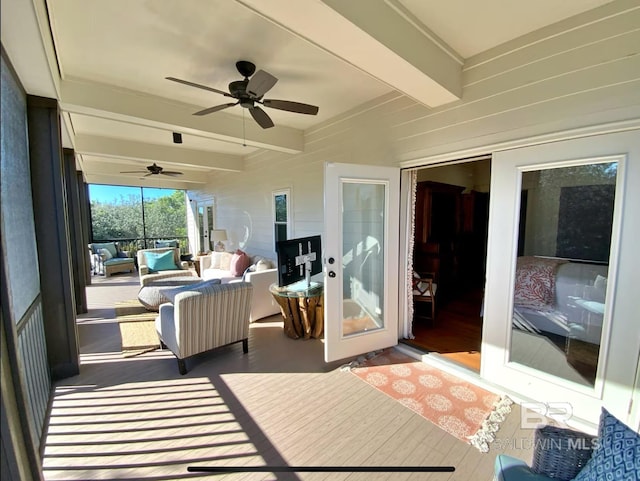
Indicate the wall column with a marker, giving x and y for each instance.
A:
(52, 235)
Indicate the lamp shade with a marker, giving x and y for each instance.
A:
(218, 235)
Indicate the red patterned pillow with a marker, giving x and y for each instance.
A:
(536, 282)
(239, 263)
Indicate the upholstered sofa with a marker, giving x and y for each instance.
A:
(259, 271)
(204, 316)
(107, 258)
(154, 264)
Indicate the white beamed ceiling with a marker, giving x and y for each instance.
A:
(107, 61)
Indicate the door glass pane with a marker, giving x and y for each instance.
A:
(209, 225)
(562, 269)
(281, 207)
(202, 231)
(363, 227)
(281, 232)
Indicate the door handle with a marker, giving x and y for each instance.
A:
(332, 274)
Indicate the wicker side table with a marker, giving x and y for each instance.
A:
(561, 453)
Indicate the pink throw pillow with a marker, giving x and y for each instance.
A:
(239, 263)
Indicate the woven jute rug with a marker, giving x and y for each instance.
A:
(462, 409)
(137, 328)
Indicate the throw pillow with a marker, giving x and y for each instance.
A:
(110, 246)
(174, 291)
(225, 261)
(105, 254)
(617, 454)
(536, 282)
(216, 257)
(240, 261)
(160, 261)
(263, 265)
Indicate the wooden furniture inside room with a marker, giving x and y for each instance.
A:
(450, 242)
(424, 291)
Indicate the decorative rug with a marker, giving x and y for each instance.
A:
(137, 328)
(460, 408)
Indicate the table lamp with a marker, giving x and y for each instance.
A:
(217, 236)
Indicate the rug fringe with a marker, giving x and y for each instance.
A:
(486, 433)
(359, 361)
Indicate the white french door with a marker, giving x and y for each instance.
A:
(577, 350)
(361, 227)
(205, 216)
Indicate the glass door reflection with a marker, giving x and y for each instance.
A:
(560, 284)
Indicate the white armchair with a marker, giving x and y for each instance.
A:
(178, 267)
(204, 317)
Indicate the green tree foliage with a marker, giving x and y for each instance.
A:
(165, 217)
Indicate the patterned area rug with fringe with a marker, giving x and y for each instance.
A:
(137, 328)
(462, 409)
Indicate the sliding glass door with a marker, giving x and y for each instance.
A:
(558, 306)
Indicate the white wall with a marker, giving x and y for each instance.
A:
(581, 72)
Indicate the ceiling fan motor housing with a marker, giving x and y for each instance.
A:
(248, 93)
(238, 89)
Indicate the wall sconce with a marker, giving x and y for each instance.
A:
(218, 236)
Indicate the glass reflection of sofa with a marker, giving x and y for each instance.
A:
(560, 297)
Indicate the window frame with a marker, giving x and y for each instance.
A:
(274, 194)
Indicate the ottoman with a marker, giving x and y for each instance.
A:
(150, 296)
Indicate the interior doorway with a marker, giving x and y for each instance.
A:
(450, 245)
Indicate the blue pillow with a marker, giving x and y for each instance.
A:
(160, 261)
(173, 292)
(617, 455)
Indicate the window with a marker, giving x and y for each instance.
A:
(281, 214)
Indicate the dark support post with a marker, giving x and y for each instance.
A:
(245, 345)
(85, 219)
(77, 240)
(52, 235)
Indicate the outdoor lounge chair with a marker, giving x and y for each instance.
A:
(203, 317)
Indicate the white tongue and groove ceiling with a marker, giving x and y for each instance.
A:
(114, 56)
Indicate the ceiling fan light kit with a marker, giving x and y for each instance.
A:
(249, 92)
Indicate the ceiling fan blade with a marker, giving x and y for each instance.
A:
(134, 172)
(171, 173)
(260, 83)
(261, 117)
(193, 84)
(211, 110)
(296, 107)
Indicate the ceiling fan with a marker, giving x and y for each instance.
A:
(249, 92)
(153, 170)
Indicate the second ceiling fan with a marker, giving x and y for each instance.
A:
(248, 94)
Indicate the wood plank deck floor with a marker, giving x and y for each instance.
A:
(138, 419)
